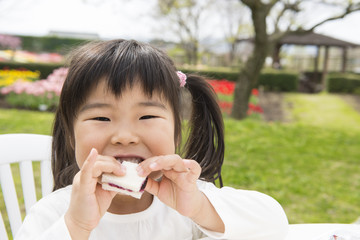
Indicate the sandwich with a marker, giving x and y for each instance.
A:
(130, 184)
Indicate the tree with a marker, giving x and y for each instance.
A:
(185, 16)
(263, 41)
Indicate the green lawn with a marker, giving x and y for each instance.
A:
(310, 165)
(21, 121)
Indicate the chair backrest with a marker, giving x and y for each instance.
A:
(23, 149)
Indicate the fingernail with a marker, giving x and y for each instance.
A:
(153, 165)
(93, 151)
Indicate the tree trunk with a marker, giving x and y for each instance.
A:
(241, 97)
(248, 76)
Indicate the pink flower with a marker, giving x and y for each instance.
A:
(52, 85)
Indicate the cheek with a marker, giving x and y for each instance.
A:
(162, 141)
(84, 142)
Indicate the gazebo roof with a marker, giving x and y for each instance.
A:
(315, 39)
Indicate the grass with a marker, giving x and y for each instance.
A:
(312, 172)
(310, 165)
(21, 121)
(324, 110)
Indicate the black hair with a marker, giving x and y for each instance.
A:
(123, 63)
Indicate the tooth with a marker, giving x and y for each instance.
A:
(129, 159)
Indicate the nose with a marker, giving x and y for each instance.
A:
(125, 136)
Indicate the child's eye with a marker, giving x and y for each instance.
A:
(147, 117)
(102, 119)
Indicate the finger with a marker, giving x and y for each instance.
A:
(194, 168)
(152, 187)
(169, 162)
(86, 176)
(105, 164)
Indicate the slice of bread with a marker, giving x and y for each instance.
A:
(130, 184)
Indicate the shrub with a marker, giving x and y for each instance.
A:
(279, 81)
(344, 83)
(213, 74)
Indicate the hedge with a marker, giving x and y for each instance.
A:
(279, 81)
(344, 83)
(273, 80)
(61, 45)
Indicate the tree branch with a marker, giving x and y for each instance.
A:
(350, 9)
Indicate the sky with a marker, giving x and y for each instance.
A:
(119, 18)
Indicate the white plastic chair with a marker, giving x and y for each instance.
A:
(23, 149)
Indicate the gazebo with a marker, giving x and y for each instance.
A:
(318, 40)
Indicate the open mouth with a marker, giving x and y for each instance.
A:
(130, 159)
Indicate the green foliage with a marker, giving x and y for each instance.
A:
(215, 74)
(50, 44)
(49, 101)
(279, 81)
(45, 69)
(344, 83)
(274, 80)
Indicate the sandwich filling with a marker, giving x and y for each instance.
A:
(130, 190)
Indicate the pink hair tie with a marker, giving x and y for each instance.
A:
(182, 78)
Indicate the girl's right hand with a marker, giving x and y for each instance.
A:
(89, 201)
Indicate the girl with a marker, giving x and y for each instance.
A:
(121, 102)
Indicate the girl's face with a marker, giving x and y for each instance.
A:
(131, 127)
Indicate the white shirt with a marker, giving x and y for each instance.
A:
(247, 215)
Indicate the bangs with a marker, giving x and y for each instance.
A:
(141, 64)
(125, 63)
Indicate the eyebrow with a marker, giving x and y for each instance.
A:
(106, 105)
(94, 105)
(152, 104)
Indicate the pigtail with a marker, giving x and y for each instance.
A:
(63, 162)
(205, 143)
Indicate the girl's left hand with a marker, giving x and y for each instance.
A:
(177, 187)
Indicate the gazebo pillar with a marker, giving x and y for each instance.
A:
(325, 69)
(344, 60)
(276, 56)
(316, 59)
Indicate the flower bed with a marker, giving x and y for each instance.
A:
(42, 94)
(225, 91)
(10, 76)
